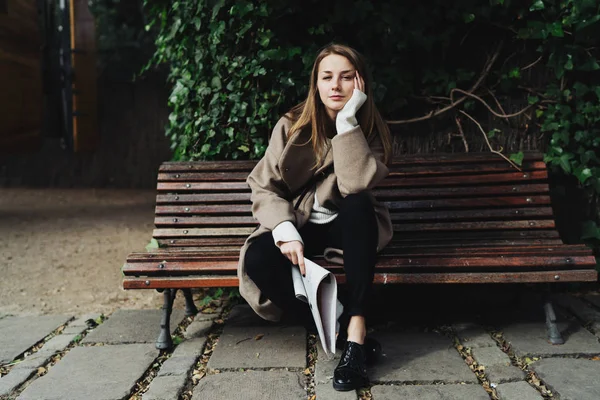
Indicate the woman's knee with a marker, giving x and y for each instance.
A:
(258, 256)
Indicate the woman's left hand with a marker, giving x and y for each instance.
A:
(359, 82)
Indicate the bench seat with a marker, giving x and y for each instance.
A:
(467, 218)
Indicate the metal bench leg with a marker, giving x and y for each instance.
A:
(552, 329)
(190, 307)
(164, 340)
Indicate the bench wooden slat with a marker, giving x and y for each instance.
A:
(515, 213)
(387, 278)
(438, 160)
(202, 176)
(478, 202)
(228, 197)
(395, 171)
(230, 209)
(185, 211)
(477, 236)
(242, 165)
(189, 243)
(465, 180)
(564, 250)
(380, 193)
(478, 225)
(201, 186)
(161, 222)
(205, 262)
(167, 233)
(460, 191)
(426, 239)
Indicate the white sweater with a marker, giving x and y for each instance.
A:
(345, 121)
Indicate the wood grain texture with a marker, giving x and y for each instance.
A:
(457, 219)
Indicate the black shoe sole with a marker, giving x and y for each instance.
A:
(340, 387)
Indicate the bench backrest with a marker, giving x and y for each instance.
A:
(475, 198)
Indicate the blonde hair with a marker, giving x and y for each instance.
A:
(312, 111)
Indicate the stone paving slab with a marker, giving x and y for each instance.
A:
(581, 310)
(132, 326)
(54, 345)
(504, 373)
(93, 373)
(17, 334)
(489, 356)
(278, 347)
(573, 379)
(530, 339)
(473, 335)
(517, 391)
(429, 392)
(165, 388)
(198, 329)
(13, 380)
(190, 347)
(419, 357)
(324, 377)
(254, 385)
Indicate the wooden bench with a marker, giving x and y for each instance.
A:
(468, 218)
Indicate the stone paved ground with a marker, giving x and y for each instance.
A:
(470, 354)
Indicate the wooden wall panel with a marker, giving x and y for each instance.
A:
(20, 76)
(83, 44)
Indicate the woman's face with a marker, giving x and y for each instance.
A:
(335, 83)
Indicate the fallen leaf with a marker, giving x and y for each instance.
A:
(259, 336)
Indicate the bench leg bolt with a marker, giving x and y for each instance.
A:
(553, 334)
(164, 340)
(190, 307)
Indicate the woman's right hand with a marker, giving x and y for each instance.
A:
(294, 251)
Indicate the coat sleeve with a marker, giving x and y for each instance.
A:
(357, 165)
(271, 204)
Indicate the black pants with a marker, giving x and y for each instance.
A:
(354, 230)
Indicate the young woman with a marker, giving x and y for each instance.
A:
(311, 191)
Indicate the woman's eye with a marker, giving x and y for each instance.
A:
(348, 78)
(326, 78)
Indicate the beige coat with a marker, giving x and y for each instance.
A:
(282, 173)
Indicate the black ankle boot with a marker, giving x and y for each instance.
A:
(371, 347)
(351, 373)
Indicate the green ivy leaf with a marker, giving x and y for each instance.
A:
(532, 99)
(564, 162)
(517, 158)
(537, 5)
(569, 64)
(582, 174)
(515, 73)
(153, 245)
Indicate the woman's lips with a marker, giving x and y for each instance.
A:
(336, 97)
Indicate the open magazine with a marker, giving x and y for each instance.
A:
(319, 289)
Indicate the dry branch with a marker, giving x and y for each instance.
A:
(434, 113)
(488, 142)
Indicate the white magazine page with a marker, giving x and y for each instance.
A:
(319, 289)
